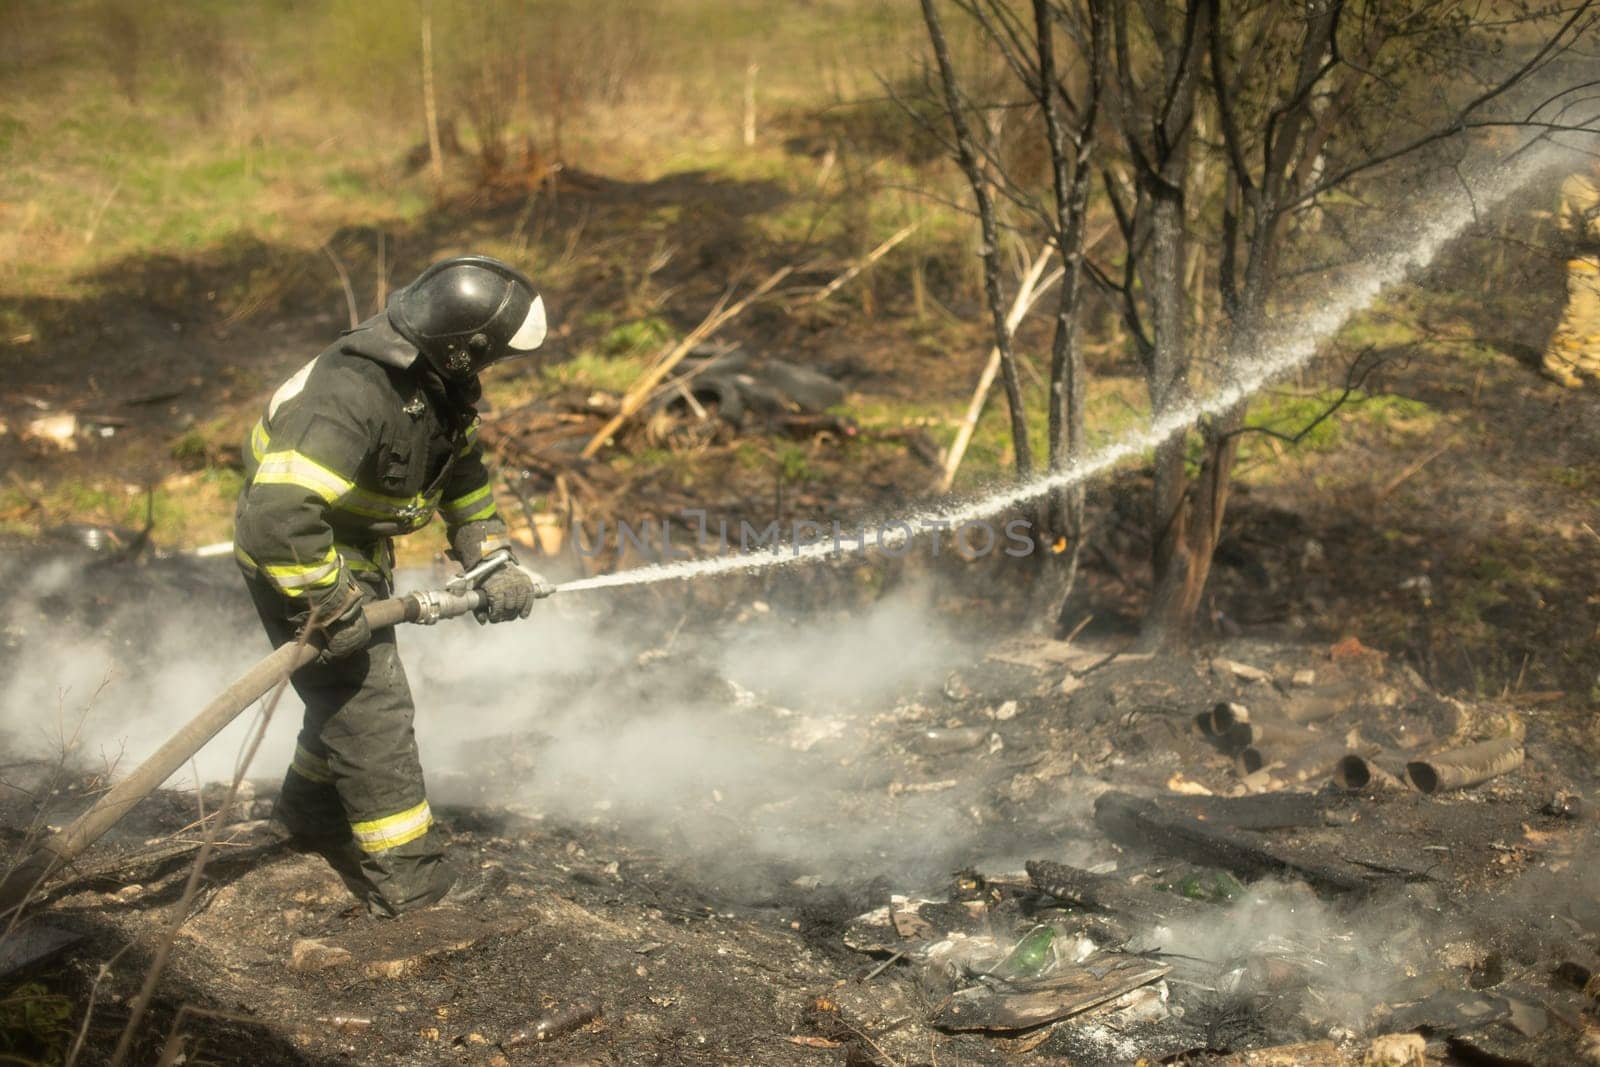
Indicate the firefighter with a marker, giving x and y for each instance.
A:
(364, 444)
(1573, 353)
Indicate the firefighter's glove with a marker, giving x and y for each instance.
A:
(509, 594)
(343, 622)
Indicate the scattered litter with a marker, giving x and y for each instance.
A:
(1567, 806)
(1302, 1054)
(897, 788)
(346, 1024)
(1031, 954)
(1067, 992)
(1396, 1050)
(943, 742)
(311, 954)
(1179, 784)
(1242, 671)
(558, 1022)
(58, 431)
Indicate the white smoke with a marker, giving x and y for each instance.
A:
(759, 736)
(1296, 955)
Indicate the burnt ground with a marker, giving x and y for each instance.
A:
(817, 868)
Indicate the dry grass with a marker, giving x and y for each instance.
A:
(288, 128)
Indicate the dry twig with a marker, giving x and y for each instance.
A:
(639, 392)
(1028, 291)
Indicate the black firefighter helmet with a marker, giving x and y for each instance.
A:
(467, 312)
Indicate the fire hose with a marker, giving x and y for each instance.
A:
(426, 607)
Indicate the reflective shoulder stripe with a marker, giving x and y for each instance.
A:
(259, 441)
(310, 766)
(290, 389)
(391, 831)
(301, 471)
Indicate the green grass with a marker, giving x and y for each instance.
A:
(611, 374)
(1115, 408)
(145, 128)
(637, 338)
(1583, 480)
(188, 509)
(35, 1024)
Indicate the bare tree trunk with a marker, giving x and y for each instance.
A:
(1167, 377)
(967, 157)
(1070, 174)
(749, 125)
(1189, 515)
(1162, 174)
(430, 107)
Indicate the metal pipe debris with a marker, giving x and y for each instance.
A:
(1223, 717)
(1299, 763)
(1463, 767)
(1379, 773)
(1278, 737)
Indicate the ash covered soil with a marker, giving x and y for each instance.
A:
(747, 836)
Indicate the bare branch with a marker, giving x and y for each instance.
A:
(1462, 119)
(1361, 368)
(967, 157)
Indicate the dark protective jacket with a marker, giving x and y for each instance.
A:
(362, 444)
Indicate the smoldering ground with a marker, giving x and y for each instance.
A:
(739, 741)
(762, 763)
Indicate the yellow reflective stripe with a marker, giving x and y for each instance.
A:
(310, 766)
(295, 579)
(460, 503)
(293, 468)
(391, 831)
(485, 512)
(300, 570)
(301, 471)
(359, 561)
(244, 558)
(469, 440)
(370, 505)
(470, 507)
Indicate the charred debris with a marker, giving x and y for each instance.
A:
(1261, 855)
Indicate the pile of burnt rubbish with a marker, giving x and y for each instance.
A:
(1229, 930)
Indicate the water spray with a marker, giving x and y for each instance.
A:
(1285, 351)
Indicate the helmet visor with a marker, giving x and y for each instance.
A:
(530, 335)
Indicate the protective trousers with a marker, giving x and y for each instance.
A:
(1574, 350)
(355, 792)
